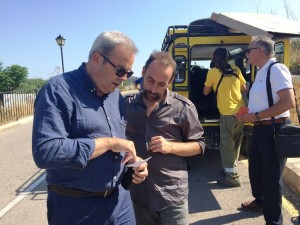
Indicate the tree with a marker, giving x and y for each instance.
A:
(11, 77)
(295, 42)
(32, 84)
(295, 56)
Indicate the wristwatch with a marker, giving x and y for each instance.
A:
(256, 116)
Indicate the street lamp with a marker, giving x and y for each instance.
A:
(61, 41)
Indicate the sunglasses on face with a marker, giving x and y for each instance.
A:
(248, 50)
(120, 71)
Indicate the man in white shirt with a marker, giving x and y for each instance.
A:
(265, 166)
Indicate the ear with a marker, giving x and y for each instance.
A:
(171, 81)
(262, 51)
(96, 57)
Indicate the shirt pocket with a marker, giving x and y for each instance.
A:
(176, 118)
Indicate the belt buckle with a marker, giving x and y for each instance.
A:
(106, 193)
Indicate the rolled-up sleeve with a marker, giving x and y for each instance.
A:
(192, 128)
(52, 145)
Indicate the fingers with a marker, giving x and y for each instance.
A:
(156, 143)
(128, 147)
(160, 144)
(127, 158)
(140, 173)
(137, 180)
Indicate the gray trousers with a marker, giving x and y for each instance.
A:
(171, 215)
(230, 141)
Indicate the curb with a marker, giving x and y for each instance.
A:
(15, 123)
(291, 174)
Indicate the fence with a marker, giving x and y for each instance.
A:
(15, 105)
(18, 104)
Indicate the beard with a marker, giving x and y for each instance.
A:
(150, 96)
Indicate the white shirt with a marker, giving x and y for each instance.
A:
(280, 78)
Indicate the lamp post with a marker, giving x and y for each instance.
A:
(60, 40)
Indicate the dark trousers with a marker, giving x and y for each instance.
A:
(170, 215)
(265, 171)
(114, 210)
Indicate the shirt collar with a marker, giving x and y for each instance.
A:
(168, 99)
(88, 83)
(268, 63)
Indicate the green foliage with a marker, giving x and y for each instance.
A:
(295, 56)
(11, 77)
(128, 84)
(32, 84)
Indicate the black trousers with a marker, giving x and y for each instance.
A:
(265, 171)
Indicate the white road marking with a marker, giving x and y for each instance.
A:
(22, 195)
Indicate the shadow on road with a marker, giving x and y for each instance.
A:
(35, 185)
(204, 172)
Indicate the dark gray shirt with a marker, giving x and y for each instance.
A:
(176, 119)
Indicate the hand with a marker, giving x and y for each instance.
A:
(160, 144)
(126, 146)
(248, 117)
(140, 173)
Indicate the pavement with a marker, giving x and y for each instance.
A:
(291, 174)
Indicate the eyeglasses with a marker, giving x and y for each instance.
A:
(120, 71)
(248, 50)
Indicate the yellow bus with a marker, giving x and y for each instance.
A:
(192, 47)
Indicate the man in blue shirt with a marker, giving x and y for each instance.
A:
(139, 83)
(79, 138)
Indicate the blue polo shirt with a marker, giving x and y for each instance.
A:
(68, 117)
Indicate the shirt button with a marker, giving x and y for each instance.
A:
(116, 157)
(115, 178)
(108, 118)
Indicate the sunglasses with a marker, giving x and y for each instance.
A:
(248, 50)
(120, 71)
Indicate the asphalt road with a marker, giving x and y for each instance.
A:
(23, 190)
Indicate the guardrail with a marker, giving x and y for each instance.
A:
(15, 105)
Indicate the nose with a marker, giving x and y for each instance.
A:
(153, 89)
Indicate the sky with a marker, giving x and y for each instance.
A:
(29, 28)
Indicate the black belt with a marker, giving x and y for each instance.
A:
(269, 122)
(75, 193)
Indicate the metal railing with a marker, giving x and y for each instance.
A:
(15, 105)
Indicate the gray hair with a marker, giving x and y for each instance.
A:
(107, 41)
(266, 43)
(163, 58)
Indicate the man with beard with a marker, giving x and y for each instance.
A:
(164, 125)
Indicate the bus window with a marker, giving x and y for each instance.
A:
(202, 54)
(180, 69)
(279, 51)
